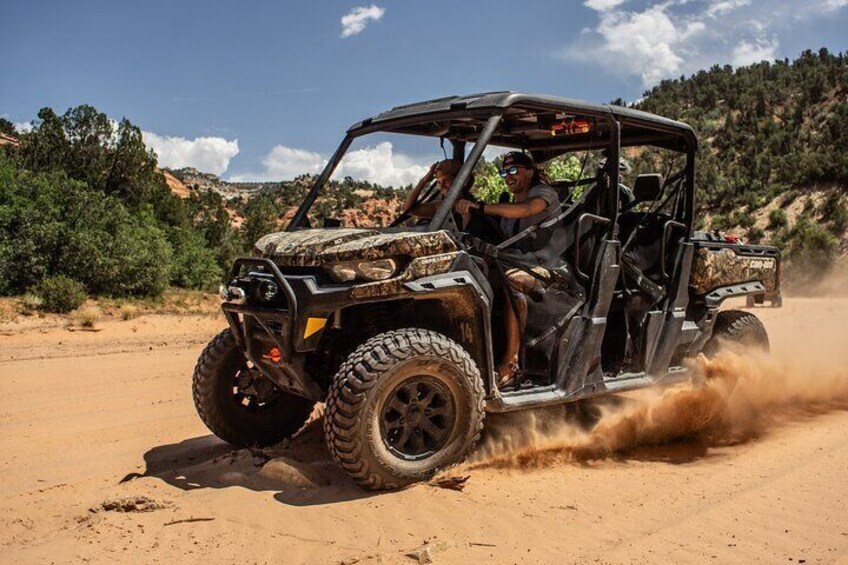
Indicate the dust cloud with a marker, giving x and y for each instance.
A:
(733, 398)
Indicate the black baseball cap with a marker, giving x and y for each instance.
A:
(518, 159)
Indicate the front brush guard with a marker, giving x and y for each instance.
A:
(259, 330)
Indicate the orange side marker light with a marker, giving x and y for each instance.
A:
(274, 355)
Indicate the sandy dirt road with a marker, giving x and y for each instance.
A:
(80, 412)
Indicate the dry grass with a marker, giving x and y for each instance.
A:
(176, 302)
(30, 304)
(87, 316)
(129, 311)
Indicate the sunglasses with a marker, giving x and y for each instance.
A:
(513, 170)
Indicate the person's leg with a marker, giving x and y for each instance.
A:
(515, 319)
(509, 360)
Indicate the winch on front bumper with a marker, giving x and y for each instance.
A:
(261, 308)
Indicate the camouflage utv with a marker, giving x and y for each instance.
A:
(397, 330)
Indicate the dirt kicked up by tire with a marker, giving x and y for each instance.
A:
(237, 403)
(404, 404)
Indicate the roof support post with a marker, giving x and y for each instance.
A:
(465, 172)
(322, 179)
(689, 220)
(613, 153)
(458, 150)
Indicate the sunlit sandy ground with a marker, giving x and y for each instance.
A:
(765, 481)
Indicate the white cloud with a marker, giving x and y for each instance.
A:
(649, 44)
(725, 6)
(355, 21)
(379, 164)
(747, 53)
(206, 154)
(285, 163)
(603, 5)
(23, 127)
(668, 38)
(831, 5)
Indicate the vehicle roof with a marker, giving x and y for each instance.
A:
(418, 118)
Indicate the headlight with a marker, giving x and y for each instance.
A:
(341, 272)
(268, 290)
(378, 270)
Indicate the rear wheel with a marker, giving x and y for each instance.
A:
(404, 404)
(735, 327)
(239, 404)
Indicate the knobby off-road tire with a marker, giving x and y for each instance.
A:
(385, 390)
(222, 408)
(735, 327)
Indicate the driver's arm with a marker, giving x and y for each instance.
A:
(426, 210)
(529, 207)
(413, 196)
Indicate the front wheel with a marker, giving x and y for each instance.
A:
(404, 404)
(240, 405)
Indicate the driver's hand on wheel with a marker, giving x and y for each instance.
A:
(464, 206)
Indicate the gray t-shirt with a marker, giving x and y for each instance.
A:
(511, 226)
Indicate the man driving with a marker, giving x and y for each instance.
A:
(534, 202)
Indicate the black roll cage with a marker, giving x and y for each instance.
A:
(616, 127)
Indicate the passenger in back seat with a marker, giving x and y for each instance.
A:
(534, 202)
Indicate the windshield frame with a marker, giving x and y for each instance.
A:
(614, 118)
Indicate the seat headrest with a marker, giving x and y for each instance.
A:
(647, 188)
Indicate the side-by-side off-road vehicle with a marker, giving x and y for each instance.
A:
(398, 330)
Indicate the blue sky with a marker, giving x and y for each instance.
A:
(262, 90)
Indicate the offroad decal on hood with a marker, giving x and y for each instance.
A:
(314, 247)
(715, 268)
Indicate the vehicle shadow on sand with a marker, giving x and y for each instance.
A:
(301, 472)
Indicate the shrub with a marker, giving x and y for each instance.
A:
(777, 219)
(788, 198)
(128, 311)
(51, 225)
(488, 184)
(834, 210)
(30, 303)
(809, 207)
(755, 234)
(839, 218)
(60, 294)
(810, 246)
(830, 204)
(778, 239)
(261, 216)
(87, 316)
(194, 265)
(116, 253)
(743, 220)
(563, 168)
(720, 222)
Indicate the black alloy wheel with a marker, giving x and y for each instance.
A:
(418, 418)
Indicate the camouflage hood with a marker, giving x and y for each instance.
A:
(315, 247)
